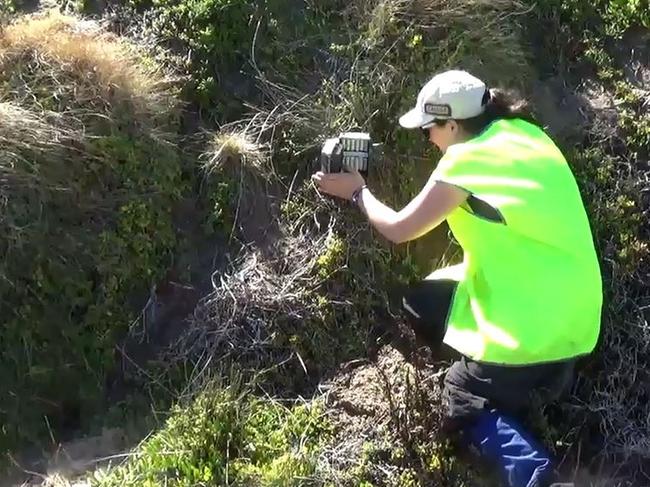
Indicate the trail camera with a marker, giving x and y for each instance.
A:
(349, 151)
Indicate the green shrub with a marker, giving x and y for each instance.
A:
(226, 436)
(218, 33)
(90, 175)
(615, 17)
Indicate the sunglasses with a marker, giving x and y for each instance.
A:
(425, 130)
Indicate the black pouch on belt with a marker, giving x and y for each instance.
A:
(426, 306)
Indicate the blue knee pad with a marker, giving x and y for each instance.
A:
(522, 461)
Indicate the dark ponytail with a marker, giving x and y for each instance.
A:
(499, 104)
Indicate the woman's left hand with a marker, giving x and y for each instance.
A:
(340, 184)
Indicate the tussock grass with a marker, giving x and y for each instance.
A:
(21, 128)
(234, 148)
(23, 134)
(474, 34)
(34, 169)
(82, 67)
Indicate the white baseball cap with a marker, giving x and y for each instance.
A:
(452, 94)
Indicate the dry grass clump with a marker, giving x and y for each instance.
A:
(232, 148)
(33, 160)
(68, 83)
(241, 317)
(21, 123)
(430, 12)
(22, 130)
(59, 63)
(486, 34)
(58, 480)
(477, 35)
(33, 154)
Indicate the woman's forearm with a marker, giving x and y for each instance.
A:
(425, 212)
(380, 216)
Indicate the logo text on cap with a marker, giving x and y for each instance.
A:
(437, 110)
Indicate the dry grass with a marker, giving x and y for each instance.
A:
(234, 148)
(81, 66)
(25, 129)
(474, 34)
(18, 122)
(61, 75)
(66, 81)
(239, 319)
(434, 12)
(58, 480)
(79, 47)
(27, 139)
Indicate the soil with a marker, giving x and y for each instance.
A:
(358, 394)
(71, 459)
(385, 403)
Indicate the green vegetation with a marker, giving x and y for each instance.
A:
(227, 437)
(91, 173)
(316, 327)
(604, 17)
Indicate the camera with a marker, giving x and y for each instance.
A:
(349, 151)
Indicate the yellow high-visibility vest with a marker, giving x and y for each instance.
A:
(529, 288)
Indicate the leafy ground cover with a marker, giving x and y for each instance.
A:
(299, 304)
